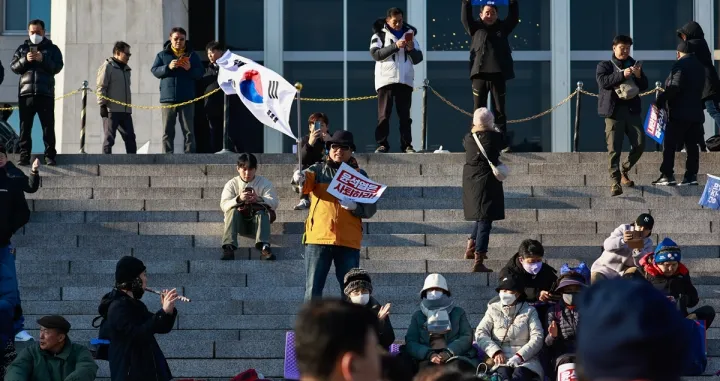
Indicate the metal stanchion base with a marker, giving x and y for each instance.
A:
(82, 151)
(224, 152)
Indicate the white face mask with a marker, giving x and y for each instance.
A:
(532, 268)
(361, 299)
(568, 299)
(507, 298)
(434, 295)
(36, 38)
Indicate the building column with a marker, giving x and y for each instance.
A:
(560, 75)
(417, 17)
(273, 139)
(704, 15)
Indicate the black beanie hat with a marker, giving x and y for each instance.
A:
(127, 269)
(357, 279)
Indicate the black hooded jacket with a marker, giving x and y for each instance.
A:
(543, 281)
(696, 39)
(134, 354)
(37, 78)
(14, 211)
(490, 50)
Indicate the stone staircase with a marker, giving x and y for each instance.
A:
(164, 209)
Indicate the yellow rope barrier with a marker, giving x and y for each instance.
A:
(56, 99)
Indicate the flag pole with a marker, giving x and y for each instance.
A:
(298, 87)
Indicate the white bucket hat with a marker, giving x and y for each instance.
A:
(435, 281)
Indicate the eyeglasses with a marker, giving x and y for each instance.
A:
(340, 147)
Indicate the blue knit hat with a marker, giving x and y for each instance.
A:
(667, 251)
(627, 326)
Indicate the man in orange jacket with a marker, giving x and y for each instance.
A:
(333, 229)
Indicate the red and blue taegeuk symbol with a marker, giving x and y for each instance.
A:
(251, 86)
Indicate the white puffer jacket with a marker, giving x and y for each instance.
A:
(524, 336)
(393, 65)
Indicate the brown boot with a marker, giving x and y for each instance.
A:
(470, 249)
(478, 266)
(625, 180)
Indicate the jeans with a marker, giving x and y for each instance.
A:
(317, 266)
(481, 235)
(9, 288)
(713, 108)
(516, 374)
(187, 124)
(616, 127)
(257, 225)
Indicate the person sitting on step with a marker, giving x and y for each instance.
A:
(358, 289)
(623, 248)
(664, 270)
(249, 202)
(562, 319)
(440, 330)
(527, 266)
(312, 148)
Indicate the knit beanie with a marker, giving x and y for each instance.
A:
(667, 251)
(357, 279)
(127, 269)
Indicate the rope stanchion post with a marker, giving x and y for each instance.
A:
(424, 143)
(299, 87)
(83, 116)
(226, 126)
(578, 103)
(658, 148)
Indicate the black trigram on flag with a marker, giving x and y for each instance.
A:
(273, 89)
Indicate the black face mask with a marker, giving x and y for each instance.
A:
(135, 287)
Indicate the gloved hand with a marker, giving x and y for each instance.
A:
(299, 177)
(348, 204)
(514, 361)
(104, 111)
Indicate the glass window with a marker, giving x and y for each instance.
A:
(320, 80)
(14, 122)
(608, 18)
(656, 22)
(592, 126)
(445, 30)
(528, 94)
(40, 9)
(324, 31)
(19, 12)
(362, 115)
(246, 33)
(201, 24)
(361, 16)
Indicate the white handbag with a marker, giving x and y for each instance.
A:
(501, 171)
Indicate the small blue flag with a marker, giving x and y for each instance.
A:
(655, 123)
(711, 195)
(489, 2)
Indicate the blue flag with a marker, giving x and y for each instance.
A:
(489, 2)
(711, 195)
(655, 123)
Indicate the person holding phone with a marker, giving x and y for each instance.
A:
(312, 148)
(623, 248)
(37, 61)
(620, 81)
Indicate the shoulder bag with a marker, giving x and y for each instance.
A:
(501, 171)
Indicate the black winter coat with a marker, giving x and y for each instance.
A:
(496, 35)
(483, 195)
(677, 285)
(696, 39)
(543, 281)
(134, 354)
(37, 78)
(608, 78)
(683, 90)
(14, 211)
(386, 334)
(311, 154)
(214, 104)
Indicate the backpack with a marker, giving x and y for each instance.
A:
(713, 143)
(100, 346)
(627, 89)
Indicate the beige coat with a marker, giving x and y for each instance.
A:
(262, 187)
(114, 82)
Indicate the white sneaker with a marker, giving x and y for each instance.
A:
(302, 205)
(23, 336)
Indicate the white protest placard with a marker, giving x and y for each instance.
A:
(349, 184)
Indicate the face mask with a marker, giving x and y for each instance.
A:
(36, 38)
(532, 268)
(434, 295)
(137, 288)
(507, 298)
(568, 299)
(361, 299)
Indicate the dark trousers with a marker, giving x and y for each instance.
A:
(620, 124)
(495, 85)
(705, 313)
(216, 123)
(682, 133)
(318, 259)
(119, 122)
(516, 374)
(481, 235)
(169, 117)
(44, 107)
(401, 95)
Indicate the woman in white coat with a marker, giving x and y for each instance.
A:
(511, 334)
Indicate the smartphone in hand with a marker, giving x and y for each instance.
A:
(318, 125)
(409, 37)
(33, 49)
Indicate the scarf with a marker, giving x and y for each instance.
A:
(177, 52)
(438, 314)
(397, 33)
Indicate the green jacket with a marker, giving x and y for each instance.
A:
(74, 363)
(459, 339)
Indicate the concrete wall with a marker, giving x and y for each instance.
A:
(85, 31)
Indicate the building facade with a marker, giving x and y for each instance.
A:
(324, 44)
